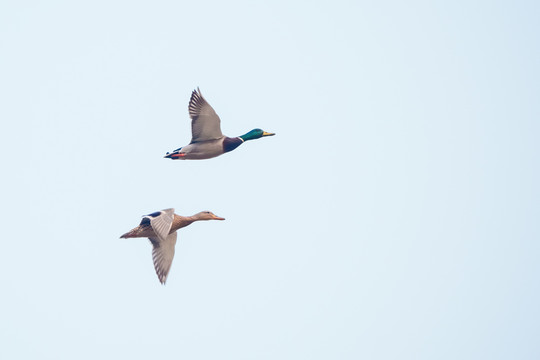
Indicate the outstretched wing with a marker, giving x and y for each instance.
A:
(205, 123)
(161, 222)
(163, 254)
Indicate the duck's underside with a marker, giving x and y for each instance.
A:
(205, 149)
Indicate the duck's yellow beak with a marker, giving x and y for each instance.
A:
(268, 134)
(218, 218)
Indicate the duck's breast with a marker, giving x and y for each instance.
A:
(229, 144)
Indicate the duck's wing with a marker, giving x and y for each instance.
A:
(163, 254)
(205, 123)
(161, 222)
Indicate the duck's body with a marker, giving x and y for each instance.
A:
(146, 230)
(207, 139)
(160, 228)
(207, 149)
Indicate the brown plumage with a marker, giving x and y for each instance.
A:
(145, 229)
(160, 228)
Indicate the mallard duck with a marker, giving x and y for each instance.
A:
(207, 141)
(160, 228)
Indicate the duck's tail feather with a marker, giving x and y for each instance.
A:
(130, 234)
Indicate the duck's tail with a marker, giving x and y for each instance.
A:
(131, 234)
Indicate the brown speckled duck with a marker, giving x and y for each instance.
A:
(160, 228)
(207, 141)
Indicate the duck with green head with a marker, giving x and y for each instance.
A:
(207, 141)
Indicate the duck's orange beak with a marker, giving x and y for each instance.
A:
(218, 218)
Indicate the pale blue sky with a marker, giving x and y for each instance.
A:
(394, 215)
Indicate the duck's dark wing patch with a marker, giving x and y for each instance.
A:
(205, 123)
(161, 222)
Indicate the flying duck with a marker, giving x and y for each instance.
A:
(207, 141)
(160, 228)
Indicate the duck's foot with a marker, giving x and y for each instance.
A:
(175, 156)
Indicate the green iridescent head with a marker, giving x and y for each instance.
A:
(255, 134)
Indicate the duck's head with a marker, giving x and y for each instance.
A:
(207, 215)
(255, 134)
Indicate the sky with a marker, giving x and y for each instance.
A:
(393, 216)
